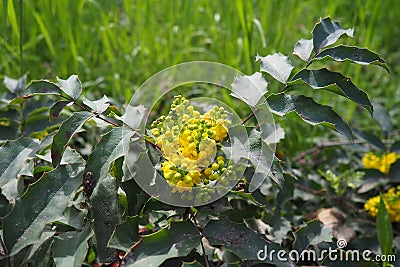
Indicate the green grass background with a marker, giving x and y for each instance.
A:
(116, 45)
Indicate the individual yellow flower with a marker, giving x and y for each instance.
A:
(392, 203)
(381, 163)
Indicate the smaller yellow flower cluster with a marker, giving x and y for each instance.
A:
(392, 203)
(381, 163)
(190, 142)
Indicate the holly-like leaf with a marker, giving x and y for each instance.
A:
(312, 234)
(242, 241)
(65, 133)
(125, 234)
(13, 157)
(280, 227)
(44, 202)
(42, 87)
(249, 89)
(70, 248)
(110, 147)
(309, 111)
(98, 106)
(133, 116)
(176, 240)
(56, 109)
(106, 213)
(327, 32)
(259, 155)
(71, 86)
(354, 54)
(303, 49)
(276, 65)
(334, 82)
(15, 86)
(384, 226)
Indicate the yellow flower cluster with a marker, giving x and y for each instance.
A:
(392, 203)
(381, 163)
(190, 143)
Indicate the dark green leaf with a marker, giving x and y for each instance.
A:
(39, 253)
(106, 213)
(384, 226)
(65, 134)
(192, 264)
(42, 87)
(334, 82)
(312, 234)
(249, 89)
(125, 234)
(240, 240)
(56, 109)
(382, 117)
(303, 49)
(9, 132)
(371, 139)
(260, 156)
(43, 203)
(13, 157)
(15, 86)
(394, 171)
(5, 206)
(70, 248)
(98, 106)
(327, 32)
(395, 147)
(276, 65)
(136, 197)
(177, 240)
(357, 55)
(279, 227)
(72, 86)
(110, 148)
(310, 111)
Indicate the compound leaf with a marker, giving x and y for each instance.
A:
(309, 111)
